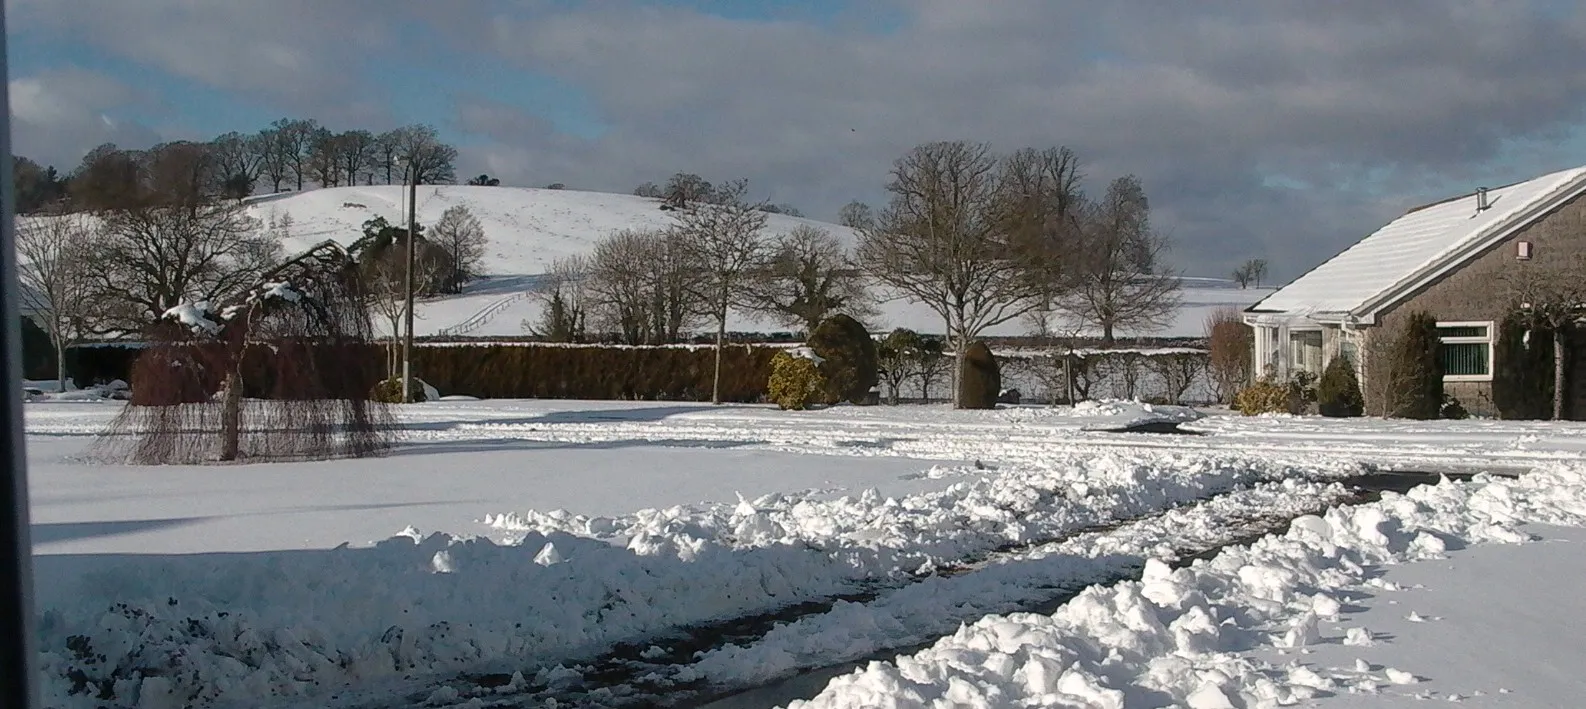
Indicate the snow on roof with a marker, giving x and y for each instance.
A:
(1414, 245)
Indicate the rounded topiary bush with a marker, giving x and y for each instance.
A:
(1338, 391)
(980, 382)
(849, 359)
(390, 391)
(796, 382)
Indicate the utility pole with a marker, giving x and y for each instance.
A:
(407, 339)
(18, 661)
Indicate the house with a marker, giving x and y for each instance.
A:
(1451, 259)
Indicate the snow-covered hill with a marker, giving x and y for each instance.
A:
(530, 228)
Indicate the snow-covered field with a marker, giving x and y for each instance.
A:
(506, 552)
(530, 228)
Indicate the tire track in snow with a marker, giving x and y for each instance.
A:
(713, 661)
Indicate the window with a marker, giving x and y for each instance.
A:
(1466, 351)
(1305, 353)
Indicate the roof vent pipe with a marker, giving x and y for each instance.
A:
(1482, 202)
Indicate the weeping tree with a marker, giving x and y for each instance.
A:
(281, 371)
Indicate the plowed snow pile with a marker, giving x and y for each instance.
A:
(1185, 637)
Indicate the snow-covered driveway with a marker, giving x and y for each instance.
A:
(536, 534)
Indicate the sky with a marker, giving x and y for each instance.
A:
(1279, 129)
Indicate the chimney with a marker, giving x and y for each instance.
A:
(1482, 202)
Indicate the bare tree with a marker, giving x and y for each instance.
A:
(294, 143)
(52, 255)
(724, 242)
(562, 295)
(939, 241)
(420, 152)
(355, 151)
(238, 159)
(641, 286)
(324, 157)
(1250, 273)
(856, 215)
(1551, 294)
(807, 278)
(387, 146)
(385, 284)
(463, 237)
(150, 259)
(1118, 276)
(274, 164)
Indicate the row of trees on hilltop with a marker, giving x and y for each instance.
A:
(289, 154)
(685, 188)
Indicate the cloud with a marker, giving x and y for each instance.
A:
(58, 115)
(1222, 108)
(1284, 128)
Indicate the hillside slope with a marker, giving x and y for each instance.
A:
(530, 228)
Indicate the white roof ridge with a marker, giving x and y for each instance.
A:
(1419, 244)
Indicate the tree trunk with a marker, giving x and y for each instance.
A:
(958, 370)
(231, 418)
(1106, 334)
(1558, 373)
(721, 337)
(1068, 377)
(60, 364)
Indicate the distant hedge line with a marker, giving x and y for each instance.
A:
(532, 371)
(539, 371)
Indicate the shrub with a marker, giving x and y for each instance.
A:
(980, 381)
(795, 383)
(1231, 343)
(1338, 391)
(1522, 386)
(1266, 396)
(849, 356)
(1452, 409)
(1419, 386)
(897, 359)
(389, 391)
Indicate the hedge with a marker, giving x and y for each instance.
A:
(546, 371)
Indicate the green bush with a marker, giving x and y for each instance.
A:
(389, 391)
(795, 383)
(849, 356)
(1419, 388)
(1338, 391)
(1522, 386)
(980, 382)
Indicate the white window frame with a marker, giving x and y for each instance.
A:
(1488, 341)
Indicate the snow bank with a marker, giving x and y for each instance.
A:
(170, 631)
(1174, 637)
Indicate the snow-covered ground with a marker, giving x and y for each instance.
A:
(533, 537)
(528, 229)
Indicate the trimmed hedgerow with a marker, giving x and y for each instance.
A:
(552, 371)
